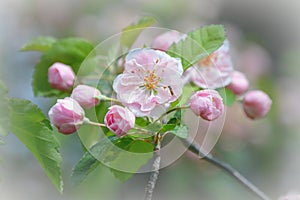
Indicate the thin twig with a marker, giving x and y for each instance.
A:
(195, 148)
(170, 111)
(155, 171)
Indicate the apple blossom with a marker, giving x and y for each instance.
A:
(165, 40)
(207, 104)
(150, 81)
(66, 115)
(119, 120)
(86, 96)
(61, 76)
(256, 104)
(239, 83)
(213, 71)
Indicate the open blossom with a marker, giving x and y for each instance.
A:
(119, 120)
(150, 81)
(239, 83)
(256, 104)
(66, 115)
(165, 40)
(86, 95)
(61, 76)
(213, 71)
(207, 104)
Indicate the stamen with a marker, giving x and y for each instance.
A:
(151, 80)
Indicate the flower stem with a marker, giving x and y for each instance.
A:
(195, 148)
(155, 170)
(87, 121)
(105, 98)
(170, 111)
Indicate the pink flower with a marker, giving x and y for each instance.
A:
(66, 115)
(86, 95)
(213, 71)
(165, 40)
(256, 104)
(239, 83)
(119, 120)
(150, 81)
(207, 104)
(61, 76)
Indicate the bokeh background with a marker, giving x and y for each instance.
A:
(265, 45)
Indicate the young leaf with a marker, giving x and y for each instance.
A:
(181, 131)
(42, 44)
(4, 111)
(27, 123)
(198, 44)
(70, 51)
(88, 162)
(131, 32)
(227, 95)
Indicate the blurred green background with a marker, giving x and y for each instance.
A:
(265, 45)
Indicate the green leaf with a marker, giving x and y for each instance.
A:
(132, 163)
(42, 44)
(154, 127)
(131, 32)
(141, 121)
(168, 127)
(198, 44)
(181, 131)
(70, 51)
(227, 95)
(122, 176)
(88, 162)
(29, 126)
(113, 156)
(4, 111)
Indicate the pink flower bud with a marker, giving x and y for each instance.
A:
(86, 95)
(61, 76)
(239, 83)
(256, 104)
(119, 120)
(165, 40)
(207, 104)
(66, 115)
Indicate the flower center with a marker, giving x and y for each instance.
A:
(151, 80)
(208, 61)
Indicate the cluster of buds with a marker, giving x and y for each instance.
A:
(68, 114)
(150, 82)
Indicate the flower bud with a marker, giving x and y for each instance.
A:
(165, 40)
(66, 115)
(119, 120)
(207, 104)
(86, 96)
(256, 104)
(61, 76)
(239, 83)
